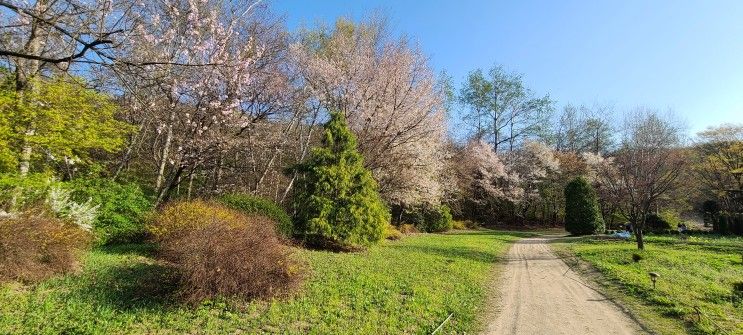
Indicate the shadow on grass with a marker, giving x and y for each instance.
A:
(133, 283)
(139, 249)
(451, 252)
(492, 232)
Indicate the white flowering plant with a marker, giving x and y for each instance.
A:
(83, 214)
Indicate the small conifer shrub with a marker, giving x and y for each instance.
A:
(337, 199)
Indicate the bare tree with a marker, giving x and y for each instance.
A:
(503, 110)
(646, 166)
(584, 129)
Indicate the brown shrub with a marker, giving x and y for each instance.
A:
(222, 252)
(408, 229)
(33, 248)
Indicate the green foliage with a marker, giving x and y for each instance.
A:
(391, 233)
(251, 204)
(657, 224)
(25, 192)
(122, 208)
(432, 219)
(411, 285)
(738, 294)
(582, 212)
(66, 120)
(336, 197)
(664, 221)
(428, 218)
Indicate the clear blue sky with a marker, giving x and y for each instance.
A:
(683, 55)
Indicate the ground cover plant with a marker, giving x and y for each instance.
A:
(409, 286)
(695, 273)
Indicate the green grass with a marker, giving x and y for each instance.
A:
(406, 286)
(697, 272)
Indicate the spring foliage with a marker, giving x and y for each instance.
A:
(121, 208)
(250, 204)
(62, 121)
(582, 213)
(337, 198)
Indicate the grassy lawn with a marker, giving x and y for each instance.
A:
(406, 286)
(697, 272)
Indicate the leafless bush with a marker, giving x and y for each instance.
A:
(220, 252)
(36, 247)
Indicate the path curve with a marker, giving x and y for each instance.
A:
(540, 294)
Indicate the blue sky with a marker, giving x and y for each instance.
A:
(683, 55)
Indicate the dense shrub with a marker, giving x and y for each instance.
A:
(582, 213)
(658, 223)
(22, 193)
(407, 228)
(336, 199)
(430, 219)
(710, 210)
(250, 204)
(34, 247)
(729, 224)
(459, 225)
(391, 233)
(737, 296)
(219, 251)
(121, 212)
(437, 219)
(671, 217)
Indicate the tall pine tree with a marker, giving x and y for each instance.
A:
(337, 199)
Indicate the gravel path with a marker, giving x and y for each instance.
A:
(540, 294)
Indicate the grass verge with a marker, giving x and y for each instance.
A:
(407, 286)
(695, 274)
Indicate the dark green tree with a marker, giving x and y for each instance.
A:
(337, 199)
(582, 213)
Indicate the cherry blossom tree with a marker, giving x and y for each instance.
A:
(391, 98)
(535, 165)
(192, 72)
(645, 168)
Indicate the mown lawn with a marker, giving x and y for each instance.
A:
(696, 272)
(406, 286)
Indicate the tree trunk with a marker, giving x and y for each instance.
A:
(190, 185)
(25, 163)
(495, 117)
(640, 238)
(166, 151)
(25, 74)
(164, 194)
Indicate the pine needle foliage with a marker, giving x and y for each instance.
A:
(582, 213)
(337, 199)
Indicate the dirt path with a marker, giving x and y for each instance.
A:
(540, 294)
